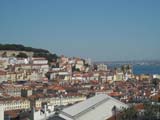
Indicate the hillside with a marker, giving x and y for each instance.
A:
(36, 52)
(17, 47)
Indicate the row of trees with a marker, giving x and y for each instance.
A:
(50, 57)
(20, 55)
(150, 112)
(17, 47)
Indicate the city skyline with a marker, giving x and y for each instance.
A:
(100, 30)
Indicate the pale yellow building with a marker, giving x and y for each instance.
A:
(14, 104)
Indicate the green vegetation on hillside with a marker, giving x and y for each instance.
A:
(49, 56)
(22, 55)
(37, 52)
(17, 47)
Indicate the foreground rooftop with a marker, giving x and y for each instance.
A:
(99, 107)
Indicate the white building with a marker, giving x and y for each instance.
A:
(63, 75)
(79, 65)
(41, 67)
(88, 61)
(22, 61)
(1, 112)
(47, 111)
(62, 100)
(15, 104)
(39, 61)
(67, 100)
(156, 76)
(119, 76)
(102, 67)
(99, 107)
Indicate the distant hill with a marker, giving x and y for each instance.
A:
(35, 52)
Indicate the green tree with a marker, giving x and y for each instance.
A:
(75, 69)
(155, 82)
(150, 111)
(50, 57)
(129, 114)
(13, 55)
(114, 110)
(22, 55)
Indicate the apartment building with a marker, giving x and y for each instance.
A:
(14, 103)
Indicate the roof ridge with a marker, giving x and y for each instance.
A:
(91, 107)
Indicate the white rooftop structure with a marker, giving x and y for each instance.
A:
(99, 107)
(1, 112)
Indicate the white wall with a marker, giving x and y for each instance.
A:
(1, 113)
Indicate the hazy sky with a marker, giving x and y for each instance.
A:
(98, 29)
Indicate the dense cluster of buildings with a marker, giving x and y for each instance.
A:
(33, 83)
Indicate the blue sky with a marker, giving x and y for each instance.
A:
(98, 29)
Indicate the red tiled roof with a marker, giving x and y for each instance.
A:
(2, 72)
(139, 106)
(114, 94)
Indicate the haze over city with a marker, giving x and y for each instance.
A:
(101, 30)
